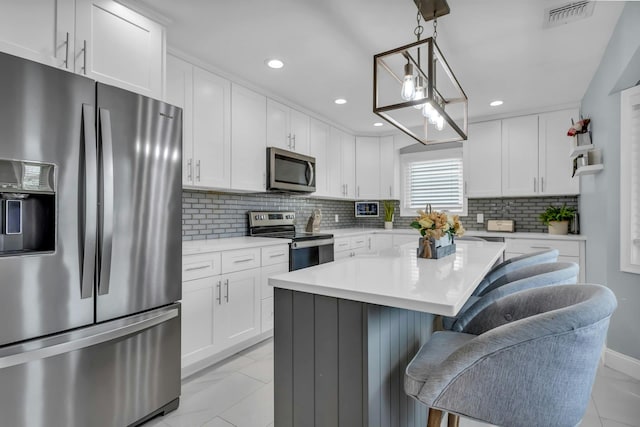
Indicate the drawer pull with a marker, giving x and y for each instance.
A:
(541, 247)
(276, 255)
(201, 267)
(238, 261)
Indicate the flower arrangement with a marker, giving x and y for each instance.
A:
(579, 128)
(435, 224)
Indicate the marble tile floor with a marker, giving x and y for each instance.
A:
(239, 393)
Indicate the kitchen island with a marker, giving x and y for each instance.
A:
(345, 331)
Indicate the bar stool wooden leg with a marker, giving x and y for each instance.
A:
(453, 420)
(435, 418)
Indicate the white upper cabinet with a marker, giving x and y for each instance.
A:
(535, 155)
(388, 164)
(348, 150)
(318, 139)
(341, 161)
(179, 92)
(211, 130)
(367, 167)
(483, 160)
(39, 30)
(520, 156)
(248, 139)
(206, 143)
(118, 46)
(555, 167)
(287, 128)
(101, 39)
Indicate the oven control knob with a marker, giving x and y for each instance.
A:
(257, 216)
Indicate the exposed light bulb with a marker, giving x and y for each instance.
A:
(433, 118)
(419, 94)
(408, 84)
(428, 110)
(439, 122)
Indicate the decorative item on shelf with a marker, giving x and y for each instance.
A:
(586, 159)
(438, 231)
(313, 225)
(557, 218)
(414, 88)
(389, 209)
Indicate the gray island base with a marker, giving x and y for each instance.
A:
(345, 331)
(341, 363)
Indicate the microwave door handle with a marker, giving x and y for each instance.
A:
(311, 173)
(90, 201)
(106, 148)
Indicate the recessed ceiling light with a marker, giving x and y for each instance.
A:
(340, 101)
(378, 124)
(496, 103)
(274, 63)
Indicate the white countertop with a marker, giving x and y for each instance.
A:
(398, 278)
(346, 232)
(216, 245)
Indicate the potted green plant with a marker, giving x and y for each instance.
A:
(557, 218)
(389, 209)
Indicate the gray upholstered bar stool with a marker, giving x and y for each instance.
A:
(547, 255)
(528, 359)
(532, 276)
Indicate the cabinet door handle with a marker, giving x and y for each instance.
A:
(294, 142)
(219, 288)
(535, 185)
(358, 190)
(84, 57)
(390, 191)
(542, 184)
(198, 170)
(465, 188)
(66, 52)
(226, 285)
(201, 267)
(189, 170)
(289, 143)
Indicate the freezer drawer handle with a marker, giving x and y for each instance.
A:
(84, 342)
(90, 216)
(106, 147)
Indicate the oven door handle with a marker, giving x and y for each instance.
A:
(311, 243)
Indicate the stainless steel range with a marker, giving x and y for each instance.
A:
(306, 250)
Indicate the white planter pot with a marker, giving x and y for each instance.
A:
(558, 227)
(388, 225)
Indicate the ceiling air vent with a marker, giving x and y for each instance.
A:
(568, 12)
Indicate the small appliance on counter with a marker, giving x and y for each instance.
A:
(503, 225)
(306, 250)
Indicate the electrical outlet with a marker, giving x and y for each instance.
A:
(337, 219)
(480, 218)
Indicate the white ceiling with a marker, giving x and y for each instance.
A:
(498, 49)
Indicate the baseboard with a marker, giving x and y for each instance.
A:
(622, 363)
(206, 362)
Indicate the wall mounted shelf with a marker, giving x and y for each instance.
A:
(590, 169)
(577, 150)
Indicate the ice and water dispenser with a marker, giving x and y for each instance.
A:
(28, 207)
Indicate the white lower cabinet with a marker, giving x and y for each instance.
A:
(569, 250)
(236, 313)
(226, 300)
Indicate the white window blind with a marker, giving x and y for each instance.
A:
(435, 178)
(630, 181)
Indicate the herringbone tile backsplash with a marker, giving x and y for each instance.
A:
(211, 215)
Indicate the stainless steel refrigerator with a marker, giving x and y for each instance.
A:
(90, 250)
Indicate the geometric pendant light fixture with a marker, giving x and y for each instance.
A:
(414, 88)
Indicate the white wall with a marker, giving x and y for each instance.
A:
(600, 193)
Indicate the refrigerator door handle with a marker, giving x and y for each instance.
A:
(77, 343)
(106, 152)
(91, 201)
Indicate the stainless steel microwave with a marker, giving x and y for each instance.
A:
(289, 171)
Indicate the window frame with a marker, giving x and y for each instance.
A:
(429, 155)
